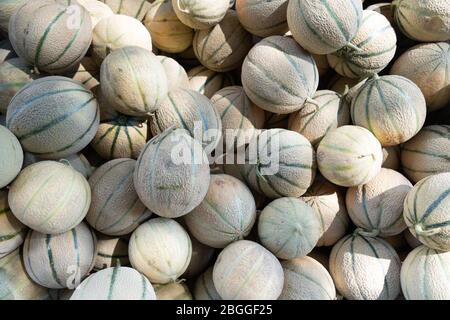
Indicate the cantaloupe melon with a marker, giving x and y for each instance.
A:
(161, 249)
(115, 207)
(133, 8)
(246, 270)
(427, 21)
(15, 284)
(201, 258)
(97, 10)
(428, 66)
(424, 275)
(349, 156)
(12, 231)
(204, 288)
(111, 252)
(7, 8)
(278, 75)
(118, 283)
(118, 31)
(11, 156)
(57, 40)
(133, 81)
(61, 260)
(77, 161)
(365, 268)
(326, 111)
(306, 279)
(338, 23)
(176, 75)
(226, 214)
(377, 206)
(167, 31)
(201, 14)
(222, 47)
(189, 110)
(172, 291)
(50, 197)
(426, 211)
(427, 153)
(208, 82)
(87, 73)
(281, 163)
(263, 18)
(240, 117)
(391, 158)
(370, 51)
(6, 51)
(328, 202)
(289, 228)
(47, 127)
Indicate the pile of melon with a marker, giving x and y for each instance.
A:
(219, 150)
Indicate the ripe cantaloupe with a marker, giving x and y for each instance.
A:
(176, 75)
(97, 10)
(15, 284)
(111, 252)
(365, 268)
(172, 291)
(161, 249)
(222, 47)
(427, 153)
(328, 202)
(57, 40)
(204, 288)
(200, 14)
(371, 49)
(426, 21)
(426, 211)
(6, 51)
(50, 197)
(61, 260)
(118, 283)
(289, 228)
(424, 275)
(133, 8)
(208, 82)
(12, 231)
(240, 117)
(47, 127)
(326, 111)
(391, 158)
(349, 156)
(278, 75)
(115, 207)
(133, 81)
(306, 279)
(87, 73)
(167, 31)
(7, 8)
(263, 18)
(11, 156)
(189, 110)
(281, 163)
(338, 23)
(118, 31)
(377, 206)
(201, 258)
(245, 270)
(428, 66)
(226, 214)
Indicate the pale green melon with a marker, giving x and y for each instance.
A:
(111, 252)
(200, 14)
(11, 156)
(12, 231)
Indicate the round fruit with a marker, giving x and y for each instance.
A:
(11, 156)
(200, 14)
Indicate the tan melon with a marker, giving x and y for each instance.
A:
(377, 206)
(118, 31)
(365, 268)
(133, 8)
(208, 82)
(200, 14)
(306, 279)
(167, 31)
(35, 197)
(222, 47)
(6, 51)
(87, 73)
(349, 156)
(97, 10)
(176, 75)
(426, 211)
(56, 41)
(240, 117)
(45, 126)
(161, 249)
(226, 214)
(11, 156)
(278, 75)
(326, 111)
(328, 202)
(7, 8)
(172, 291)
(338, 24)
(12, 232)
(411, 240)
(133, 81)
(204, 287)
(263, 18)
(427, 153)
(391, 158)
(111, 252)
(246, 270)
(201, 258)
